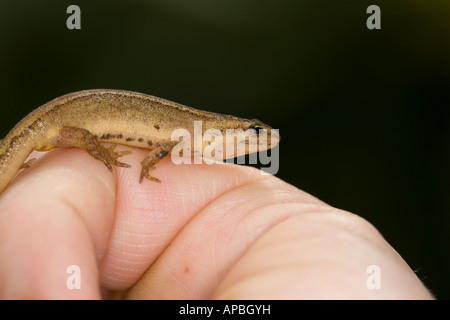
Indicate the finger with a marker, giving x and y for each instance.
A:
(321, 254)
(260, 238)
(242, 205)
(151, 215)
(55, 215)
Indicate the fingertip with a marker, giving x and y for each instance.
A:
(55, 214)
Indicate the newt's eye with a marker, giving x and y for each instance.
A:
(256, 128)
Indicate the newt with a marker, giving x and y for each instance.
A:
(89, 118)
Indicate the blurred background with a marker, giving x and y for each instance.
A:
(364, 115)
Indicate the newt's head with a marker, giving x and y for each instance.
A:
(239, 137)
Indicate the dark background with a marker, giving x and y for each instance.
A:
(364, 115)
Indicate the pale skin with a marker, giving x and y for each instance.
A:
(205, 231)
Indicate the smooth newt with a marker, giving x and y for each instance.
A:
(87, 118)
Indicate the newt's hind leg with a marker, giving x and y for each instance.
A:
(153, 157)
(27, 164)
(83, 139)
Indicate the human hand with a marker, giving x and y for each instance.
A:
(206, 231)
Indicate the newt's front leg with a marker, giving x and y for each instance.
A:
(83, 139)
